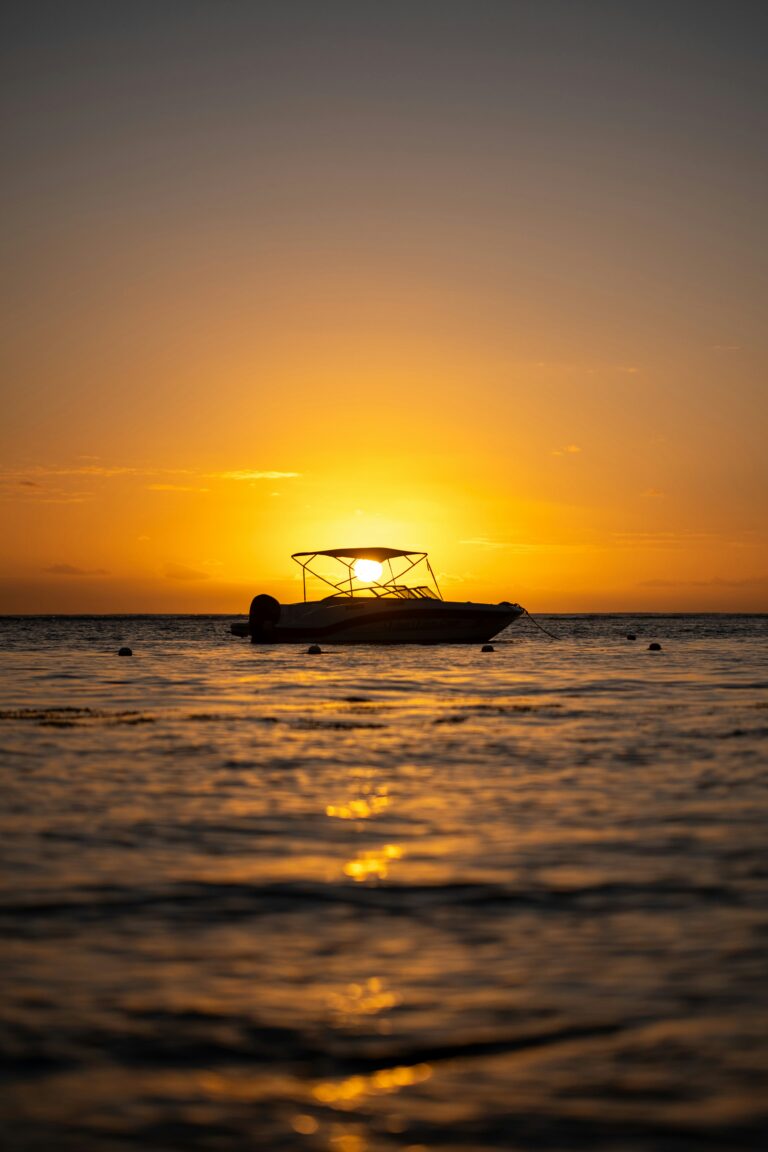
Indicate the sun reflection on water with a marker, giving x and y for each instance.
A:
(365, 999)
(346, 1142)
(373, 863)
(345, 1093)
(304, 1124)
(361, 808)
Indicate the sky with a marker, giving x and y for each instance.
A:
(486, 279)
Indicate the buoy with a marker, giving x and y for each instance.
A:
(125, 652)
(631, 636)
(262, 618)
(487, 648)
(654, 647)
(314, 650)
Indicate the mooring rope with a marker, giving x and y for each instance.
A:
(541, 626)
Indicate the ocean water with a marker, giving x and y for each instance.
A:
(413, 898)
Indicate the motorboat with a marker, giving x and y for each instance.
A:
(378, 596)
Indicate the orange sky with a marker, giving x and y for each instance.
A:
(490, 287)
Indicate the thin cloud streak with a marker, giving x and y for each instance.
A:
(246, 474)
(26, 492)
(714, 582)
(73, 570)
(528, 549)
(33, 484)
(484, 542)
(589, 369)
(174, 488)
(183, 572)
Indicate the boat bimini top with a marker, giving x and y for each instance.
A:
(375, 572)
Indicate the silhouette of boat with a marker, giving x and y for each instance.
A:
(379, 596)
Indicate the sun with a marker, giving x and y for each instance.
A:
(367, 570)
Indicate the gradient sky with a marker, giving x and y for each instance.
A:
(487, 279)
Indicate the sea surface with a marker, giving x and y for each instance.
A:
(377, 899)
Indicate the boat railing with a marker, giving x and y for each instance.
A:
(384, 592)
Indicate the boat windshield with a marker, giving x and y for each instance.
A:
(362, 573)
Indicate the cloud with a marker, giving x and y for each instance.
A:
(174, 488)
(247, 474)
(679, 539)
(590, 369)
(17, 487)
(73, 570)
(524, 549)
(714, 582)
(182, 572)
(49, 482)
(58, 497)
(46, 484)
(567, 450)
(484, 542)
(656, 493)
(86, 470)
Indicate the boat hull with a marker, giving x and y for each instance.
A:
(384, 621)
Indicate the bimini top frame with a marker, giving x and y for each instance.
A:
(350, 584)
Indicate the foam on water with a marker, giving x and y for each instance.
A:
(384, 898)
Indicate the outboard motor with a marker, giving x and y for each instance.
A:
(263, 618)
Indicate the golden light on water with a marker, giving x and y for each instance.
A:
(361, 808)
(303, 1124)
(369, 998)
(373, 864)
(367, 570)
(344, 1093)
